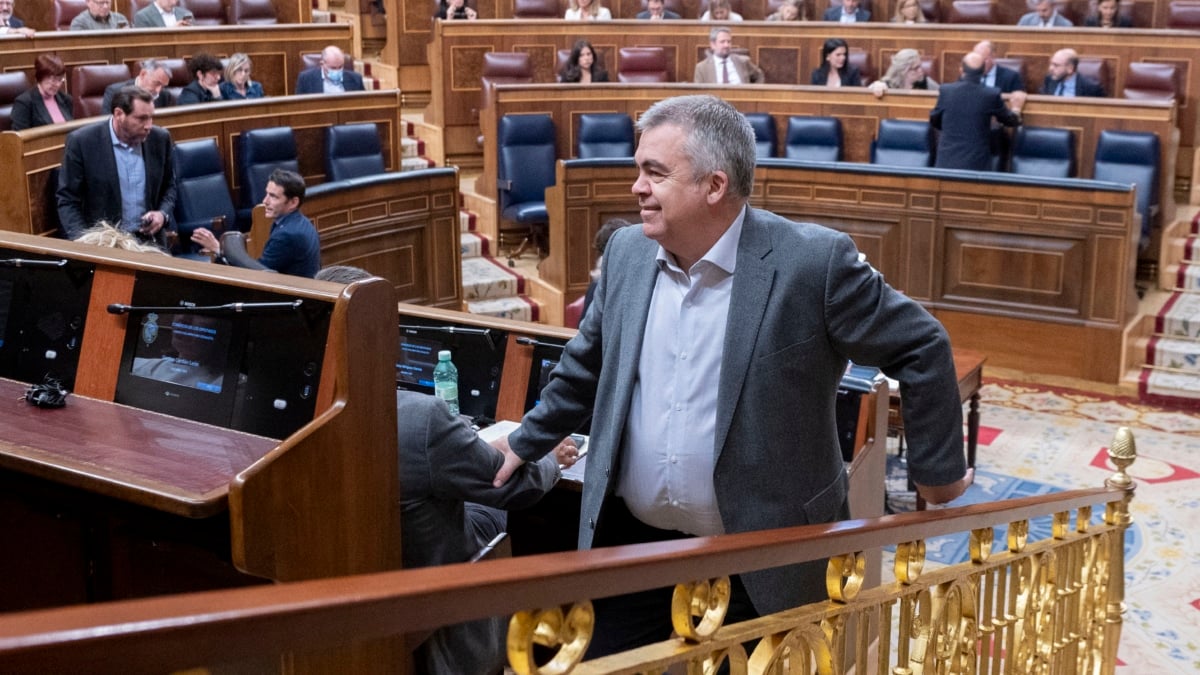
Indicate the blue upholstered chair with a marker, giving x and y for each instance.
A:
(1044, 151)
(525, 168)
(203, 198)
(261, 152)
(903, 143)
(1131, 157)
(605, 135)
(764, 133)
(353, 151)
(818, 139)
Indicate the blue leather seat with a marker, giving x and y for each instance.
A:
(1131, 157)
(605, 135)
(903, 143)
(764, 133)
(1043, 151)
(353, 151)
(525, 168)
(261, 152)
(818, 139)
(202, 192)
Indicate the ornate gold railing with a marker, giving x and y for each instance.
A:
(1048, 606)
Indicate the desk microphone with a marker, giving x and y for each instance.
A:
(24, 262)
(534, 342)
(453, 330)
(228, 308)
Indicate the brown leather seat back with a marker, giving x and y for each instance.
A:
(65, 11)
(1152, 81)
(972, 11)
(642, 64)
(252, 12)
(11, 86)
(88, 84)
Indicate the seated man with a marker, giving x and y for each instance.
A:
(162, 14)
(849, 12)
(205, 86)
(293, 247)
(153, 77)
(655, 10)
(11, 25)
(329, 77)
(1044, 15)
(995, 75)
(1063, 80)
(99, 16)
(723, 66)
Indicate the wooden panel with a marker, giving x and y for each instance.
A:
(1035, 274)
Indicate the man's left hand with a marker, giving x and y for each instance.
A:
(940, 494)
(153, 221)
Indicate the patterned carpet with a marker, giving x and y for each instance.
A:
(1035, 440)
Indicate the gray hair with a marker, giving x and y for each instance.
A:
(151, 65)
(717, 137)
(717, 30)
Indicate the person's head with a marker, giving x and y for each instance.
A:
(1063, 64)
(987, 50)
(1106, 11)
(834, 53)
(6, 9)
(905, 71)
(972, 66)
(720, 41)
(132, 114)
(719, 10)
(237, 69)
(332, 63)
(791, 10)
(695, 164)
(590, 6)
(285, 193)
(153, 76)
(342, 274)
(107, 236)
(206, 68)
(99, 8)
(656, 8)
(583, 56)
(606, 232)
(453, 4)
(849, 6)
(909, 11)
(1043, 8)
(49, 72)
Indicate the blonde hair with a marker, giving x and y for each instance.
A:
(593, 8)
(801, 11)
(901, 62)
(107, 236)
(899, 17)
(235, 61)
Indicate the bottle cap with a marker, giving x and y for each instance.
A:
(444, 355)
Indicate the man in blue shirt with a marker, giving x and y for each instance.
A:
(294, 246)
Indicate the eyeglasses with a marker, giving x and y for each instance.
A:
(56, 78)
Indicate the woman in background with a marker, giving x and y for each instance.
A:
(46, 102)
(237, 83)
(835, 71)
(1107, 15)
(584, 65)
(906, 72)
(720, 10)
(452, 10)
(790, 10)
(205, 86)
(909, 11)
(587, 10)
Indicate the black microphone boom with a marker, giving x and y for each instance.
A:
(228, 308)
(24, 262)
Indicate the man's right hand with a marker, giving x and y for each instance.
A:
(207, 241)
(511, 461)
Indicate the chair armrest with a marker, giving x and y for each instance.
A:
(503, 184)
(233, 250)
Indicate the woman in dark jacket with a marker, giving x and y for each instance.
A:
(45, 103)
(1107, 15)
(835, 71)
(585, 65)
(205, 86)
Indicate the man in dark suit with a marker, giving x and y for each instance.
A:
(329, 77)
(709, 363)
(9, 24)
(964, 113)
(995, 75)
(105, 162)
(1062, 80)
(656, 10)
(847, 13)
(153, 76)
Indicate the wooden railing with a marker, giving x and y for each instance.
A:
(1055, 604)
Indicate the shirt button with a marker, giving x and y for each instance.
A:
(674, 502)
(683, 356)
(674, 459)
(678, 407)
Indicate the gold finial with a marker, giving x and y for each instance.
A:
(1122, 452)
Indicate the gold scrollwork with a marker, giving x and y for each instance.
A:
(910, 561)
(952, 631)
(707, 599)
(806, 649)
(844, 576)
(1018, 535)
(1060, 524)
(569, 633)
(981, 544)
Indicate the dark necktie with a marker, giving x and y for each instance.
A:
(1062, 86)
(725, 71)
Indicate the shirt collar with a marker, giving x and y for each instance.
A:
(723, 253)
(112, 133)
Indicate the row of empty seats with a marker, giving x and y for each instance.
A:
(206, 12)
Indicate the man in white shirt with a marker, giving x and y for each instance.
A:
(849, 12)
(723, 66)
(162, 14)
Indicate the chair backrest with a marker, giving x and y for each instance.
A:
(353, 151)
(1183, 14)
(605, 135)
(503, 68)
(180, 77)
(251, 12)
(88, 83)
(65, 11)
(1016, 63)
(861, 59)
(903, 143)
(525, 166)
(262, 151)
(1095, 68)
(538, 9)
(764, 133)
(202, 189)
(1131, 157)
(573, 312)
(135, 6)
(972, 11)
(813, 138)
(12, 85)
(1152, 81)
(206, 12)
(642, 64)
(932, 9)
(1043, 151)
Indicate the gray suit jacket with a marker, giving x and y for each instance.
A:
(149, 17)
(801, 305)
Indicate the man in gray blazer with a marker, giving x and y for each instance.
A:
(710, 360)
(162, 14)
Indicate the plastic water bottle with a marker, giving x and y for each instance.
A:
(445, 381)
